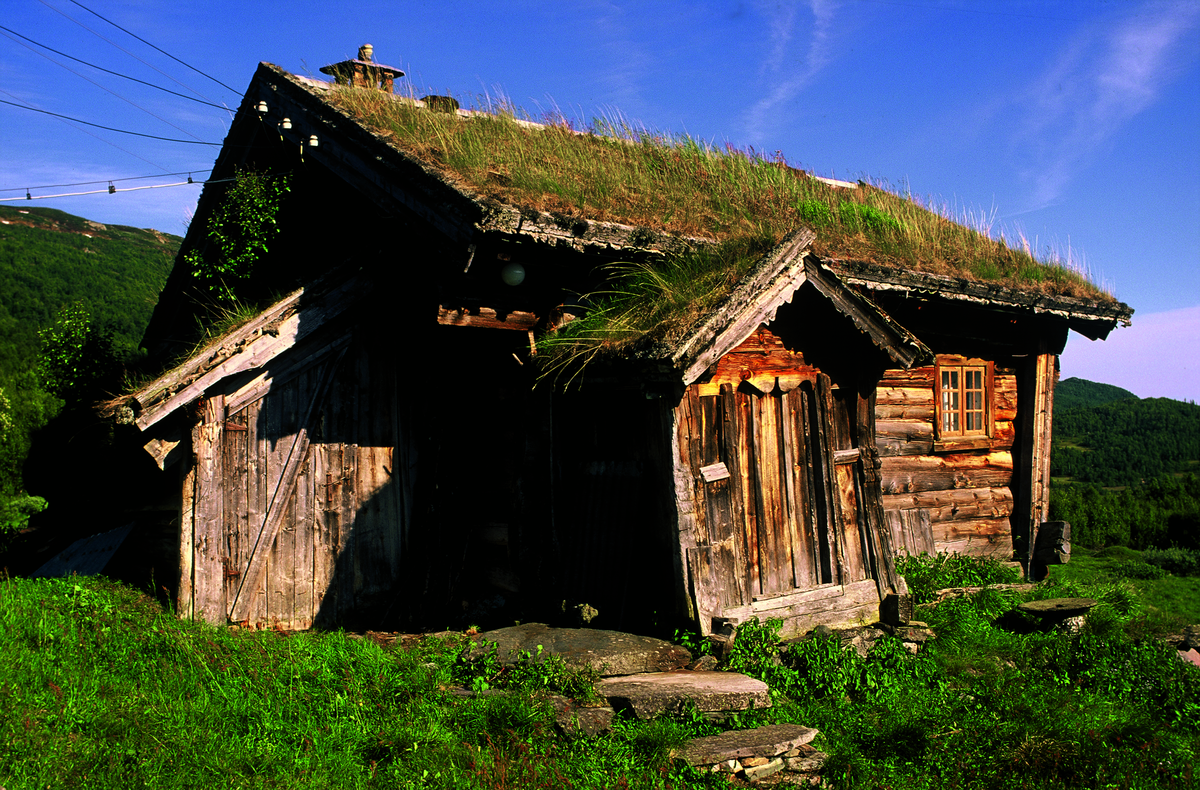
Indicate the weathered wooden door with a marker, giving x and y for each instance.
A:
(298, 504)
(780, 493)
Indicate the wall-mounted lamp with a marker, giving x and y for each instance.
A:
(262, 107)
(312, 141)
(286, 123)
(512, 274)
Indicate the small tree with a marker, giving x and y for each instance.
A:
(76, 354)
(239, 232)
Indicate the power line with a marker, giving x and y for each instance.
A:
(112, 190)
(127, 52)
(168, 54)
(109, 128)
(188, 173)
(115, 73)
(130, 102)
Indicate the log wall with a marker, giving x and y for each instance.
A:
(953, 501)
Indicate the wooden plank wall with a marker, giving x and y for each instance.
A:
(342, 535)
(944, 501)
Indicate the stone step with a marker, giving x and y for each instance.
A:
(770, 741)
(610, 653)
(653, 694)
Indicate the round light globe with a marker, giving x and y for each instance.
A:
(512, 274)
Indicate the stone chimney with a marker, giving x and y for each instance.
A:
(363, 71)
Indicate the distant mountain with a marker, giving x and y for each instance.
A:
(49, 258)
(1073, 392)
(1107, 435)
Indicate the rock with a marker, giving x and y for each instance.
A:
(704, 664)
(769, 768)
(610, 653)
(1063, 613)
(754, 762)
(1191, 655)
(1191, 637)
(808, 761)
(914, 633)
(573, 719)
(722, 646)
(769, 741)
(653, 694)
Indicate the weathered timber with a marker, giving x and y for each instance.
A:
(253, 345)
(753, 302)
(208, 576)
(910, 531)
(958, 503)
(277, 506)
(919, 412)
(998, 547)
(882, 278)
(904, 474)
(487, 318)
(802, 610)
(949, 531)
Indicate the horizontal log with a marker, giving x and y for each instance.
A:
(907, 430)
(955, 501)
(892, 446)
(903, 396)
(905, 411)
(911, 377)
(487, 318)
(983, 528)
(829, 598)
(999, 547)
(908, 474)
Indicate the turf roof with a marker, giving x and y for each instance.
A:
(686, 187)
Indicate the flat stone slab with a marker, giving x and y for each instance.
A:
(610, 653)
(1058, 608)
(769, 741)
(653, 694)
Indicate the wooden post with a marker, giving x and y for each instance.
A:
(1036, 408)
(184, 604)
(208, 573)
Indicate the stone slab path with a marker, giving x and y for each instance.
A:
(610, 653)
(653, 694)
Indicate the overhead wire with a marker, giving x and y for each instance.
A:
(109, 128)
(187, 173)
(114, 73)
(130, 102)
(147, 43)
(113, 190)
(127, 52)
(90, 133)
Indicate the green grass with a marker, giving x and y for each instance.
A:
(739, 199)
(102, 688)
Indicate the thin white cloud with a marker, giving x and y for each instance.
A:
(784, 80)
(1104, 77)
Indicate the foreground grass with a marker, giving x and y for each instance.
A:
(99, 687)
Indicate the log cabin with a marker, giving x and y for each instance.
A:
(380, 444)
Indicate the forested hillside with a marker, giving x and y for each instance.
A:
(1125, 468)
(1074, 392)
(49, 259)
(1126, 441)
(75, 296)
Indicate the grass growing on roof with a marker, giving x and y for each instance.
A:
(684, 186)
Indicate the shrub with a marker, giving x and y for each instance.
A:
(1179, 562)
(1134, 569)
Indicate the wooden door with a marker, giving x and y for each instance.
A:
(779, 496)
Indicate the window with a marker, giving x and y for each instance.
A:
(964, 399)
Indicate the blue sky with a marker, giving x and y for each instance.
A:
(1075, 125)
